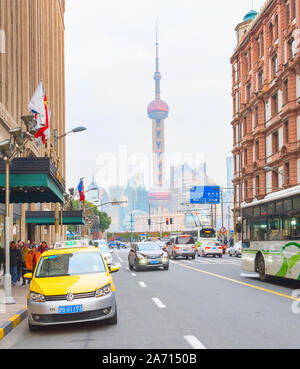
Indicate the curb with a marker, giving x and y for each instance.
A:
(12, 323)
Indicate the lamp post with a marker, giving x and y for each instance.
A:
(9, 149)
(55, 139)
(281, 172)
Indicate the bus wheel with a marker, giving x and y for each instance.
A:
(261, 269)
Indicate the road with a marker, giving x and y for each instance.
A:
(202, 303)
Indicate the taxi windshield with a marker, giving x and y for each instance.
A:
(70, 264)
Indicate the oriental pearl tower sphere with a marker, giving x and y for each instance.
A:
(158, 111)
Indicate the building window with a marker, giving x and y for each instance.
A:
(274, 65)
(275, 143)
(287, 173)
(286, 132)
(287, 12)
(275, 183)
(260, 79)
(249, 92)
(271, 32)
(256, 116)
(291, 45)
(275, 104)
(245, 126)
(276, 27)
(258, 46)
(246, 157)
(294, 9)
(246, 190)
(286, 91)
(262, 43)
(257, 149)
(257, 185)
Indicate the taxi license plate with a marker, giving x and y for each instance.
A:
(154, 262)
(214, 248)
(70, 309)
(185, 250)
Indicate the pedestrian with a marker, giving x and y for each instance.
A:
(31, 259)
(25, 251)
(2, 259)
(19, 246)
(15, 260)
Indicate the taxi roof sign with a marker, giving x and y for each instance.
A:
(71, 244)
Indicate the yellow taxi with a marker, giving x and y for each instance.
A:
(71, 283)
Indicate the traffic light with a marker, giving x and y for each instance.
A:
(149, 222)
(171, 220)
(167, 221)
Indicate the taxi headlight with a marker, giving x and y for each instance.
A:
(36, 297)
(103, 291)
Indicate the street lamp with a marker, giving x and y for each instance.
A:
(55, 139)
(281, 172)
(9, 149)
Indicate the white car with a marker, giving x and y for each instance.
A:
(236, 249)
(212, 248)
(107, 253)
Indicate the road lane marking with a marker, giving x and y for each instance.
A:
(142, 284)
(118, 265)
(250, 275)
(195, 343)
(133, 274)
(121, 260)
(159, 304)
(239, 282)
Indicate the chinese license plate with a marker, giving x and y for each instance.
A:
(154, 262)
(70, 309)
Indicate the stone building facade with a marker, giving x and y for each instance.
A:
(32, 37)
(266, 101)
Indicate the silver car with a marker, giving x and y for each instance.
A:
(182, 246)
(107, 253)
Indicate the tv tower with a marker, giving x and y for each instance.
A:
(158, 111)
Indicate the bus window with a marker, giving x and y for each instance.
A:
(291, 228)
(259, 230)
(274, 229)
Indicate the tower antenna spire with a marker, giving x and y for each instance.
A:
(157, 75)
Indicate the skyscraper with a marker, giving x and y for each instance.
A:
(158, 111)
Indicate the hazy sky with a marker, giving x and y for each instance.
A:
(110, 51)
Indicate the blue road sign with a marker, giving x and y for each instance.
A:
(205, 195)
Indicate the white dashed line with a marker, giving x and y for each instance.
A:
(121, 260)
(159, 303)
(194, 342)
(133, 274)
(142, 284)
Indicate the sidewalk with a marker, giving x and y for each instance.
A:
(12, 315)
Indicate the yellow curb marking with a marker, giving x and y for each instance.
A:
(1, 333)
(15, 320)
(239, 282)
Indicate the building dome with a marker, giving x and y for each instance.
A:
(158, 110)
(250, 15)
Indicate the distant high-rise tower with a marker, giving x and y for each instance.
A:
(158, 111)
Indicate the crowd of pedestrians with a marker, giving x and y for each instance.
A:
(23, 259)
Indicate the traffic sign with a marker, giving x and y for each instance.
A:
(205, 195)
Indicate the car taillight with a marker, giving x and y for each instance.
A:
(220, 248)
(175, 248)
(193, 247)
(207, 248)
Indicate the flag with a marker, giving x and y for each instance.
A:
(37, 106)
(81, 191)
(44, 132)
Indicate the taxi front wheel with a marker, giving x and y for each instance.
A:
(114, 319)
(33, 328)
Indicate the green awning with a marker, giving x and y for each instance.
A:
(32, 180)
(45, 218)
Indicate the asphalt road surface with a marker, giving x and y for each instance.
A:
(202, 303)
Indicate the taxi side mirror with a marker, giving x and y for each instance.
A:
(28, 276)
(114, 269)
